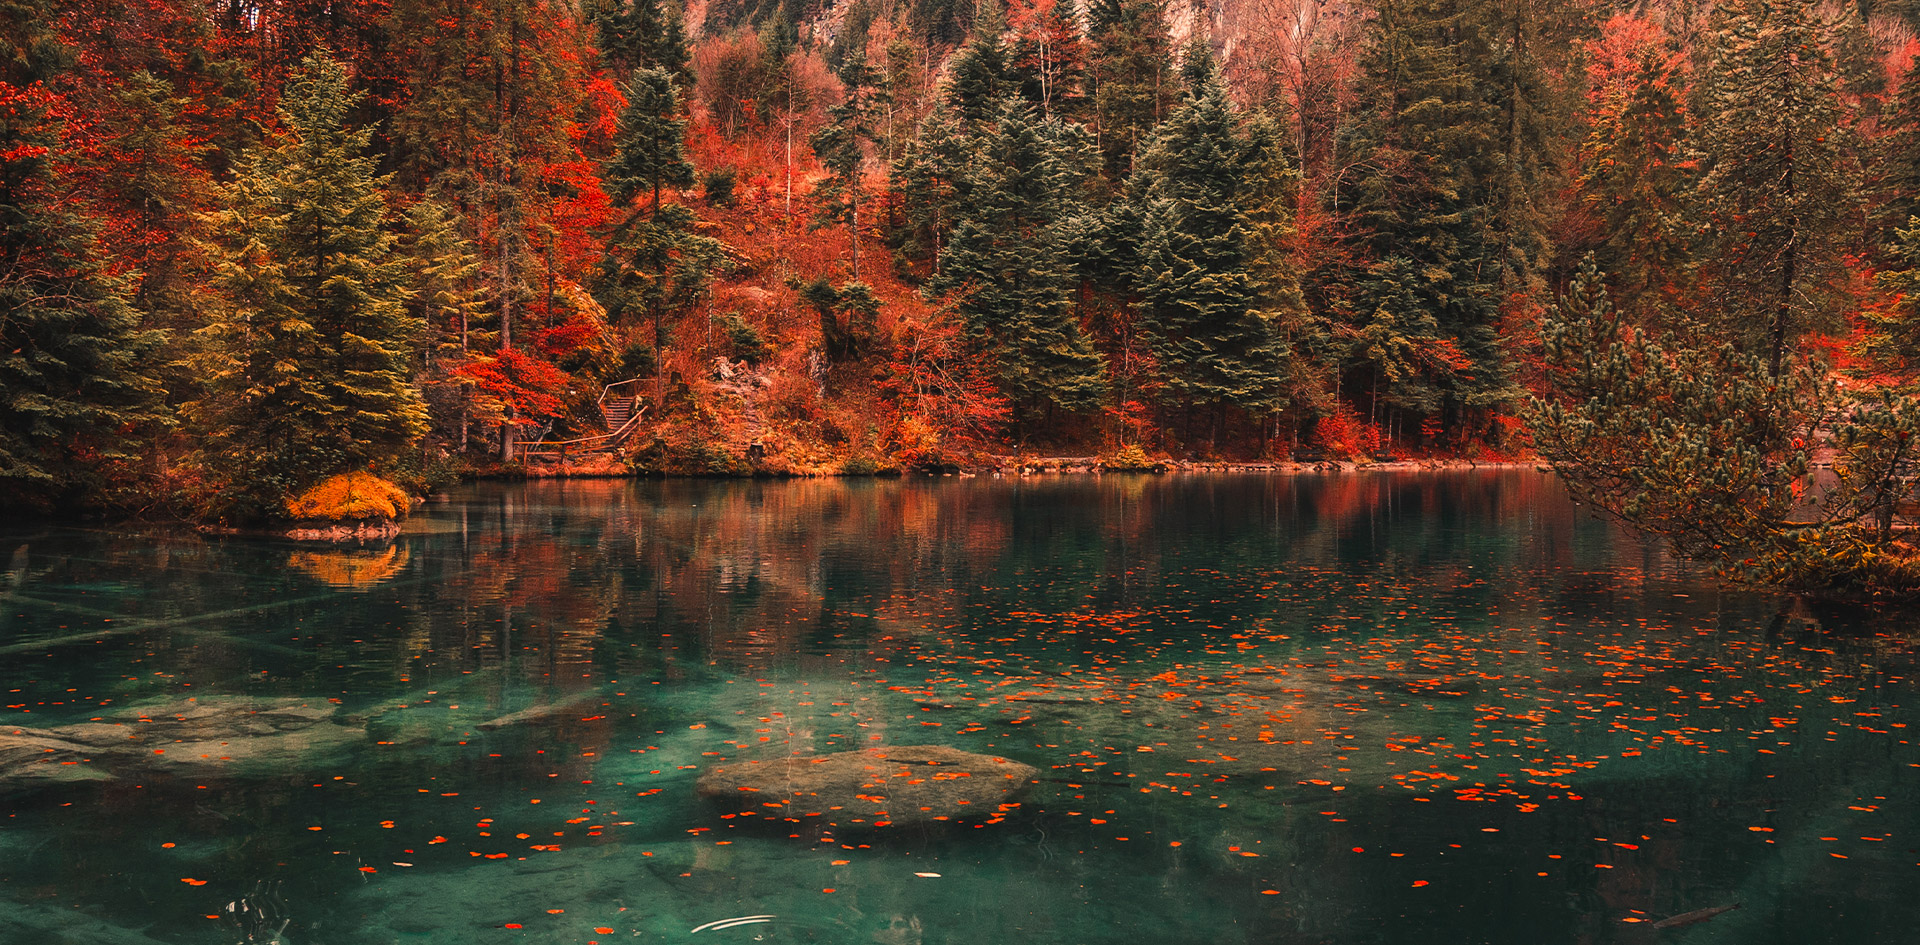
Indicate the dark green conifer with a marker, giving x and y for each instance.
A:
(1692, 443)
(1523, 179)
(1896, 161)
(643, 34)
(650, 153)
(1269, 195)
(1395, 352)
(1636, 180)
(1130, 76)
(1892, 338)
(308, 362)
(71, 345)
(841, 146)
(1711, 447)
(1010, 261)
(1199, 308)
(449, 302)
(981, 73)
(1427, 187)
(656, 264)
(1779, 185)
(929, 178)
(903, 95)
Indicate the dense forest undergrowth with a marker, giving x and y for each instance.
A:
(251, 247)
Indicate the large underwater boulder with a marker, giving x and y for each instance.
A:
(259, 735)
(874, 787)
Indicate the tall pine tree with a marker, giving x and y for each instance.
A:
(980, 74)
(1010, 262)
(1269, 196)
(643, 34)
(1633, 175)
(447, 299)
(1427, 187)
(841, 145)
(929, 178)
(71, 346)
(1199, 300)
(1779, 185)
(308, 361)
(655, 263)
(650, 151)
(1130, 76)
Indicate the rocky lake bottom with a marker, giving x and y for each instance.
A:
(1357, 707)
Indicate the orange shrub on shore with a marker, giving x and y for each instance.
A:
(353, 496)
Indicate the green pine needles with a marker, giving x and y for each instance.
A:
(656, 264)
(308, 362)
(1709, 447)
(1011, 261)
(1201, 308)
(71, 345)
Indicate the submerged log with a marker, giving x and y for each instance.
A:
(539, 712)
(1685, 919)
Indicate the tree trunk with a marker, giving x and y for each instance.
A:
(465, 399)
(854, 198)
(508, 211)
(1789, 265)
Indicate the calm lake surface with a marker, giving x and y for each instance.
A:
(1392, 707)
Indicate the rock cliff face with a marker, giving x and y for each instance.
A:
(877, 787)
(1223, 19)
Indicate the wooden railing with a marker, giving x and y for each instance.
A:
(597, 442)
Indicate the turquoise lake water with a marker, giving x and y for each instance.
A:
(1397, 707)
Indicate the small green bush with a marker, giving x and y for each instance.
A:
(746, 340)
(1130, 459)
(867, 466)
(719, 185)
(425, 472)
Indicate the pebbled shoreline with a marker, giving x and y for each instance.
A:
(1000, 466)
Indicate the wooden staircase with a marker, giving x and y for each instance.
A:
(621, 414)
(616, 411)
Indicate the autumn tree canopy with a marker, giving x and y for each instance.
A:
(249, 245)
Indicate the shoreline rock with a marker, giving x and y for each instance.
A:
(335, 533)
(1027, 466)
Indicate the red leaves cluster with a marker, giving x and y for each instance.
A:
(515, 387)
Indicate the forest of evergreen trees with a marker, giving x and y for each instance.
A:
(249, 245)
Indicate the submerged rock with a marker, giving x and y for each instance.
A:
(898, 785)
(29, 757)
(202, 732)
(33, 923)
(1446, 687)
